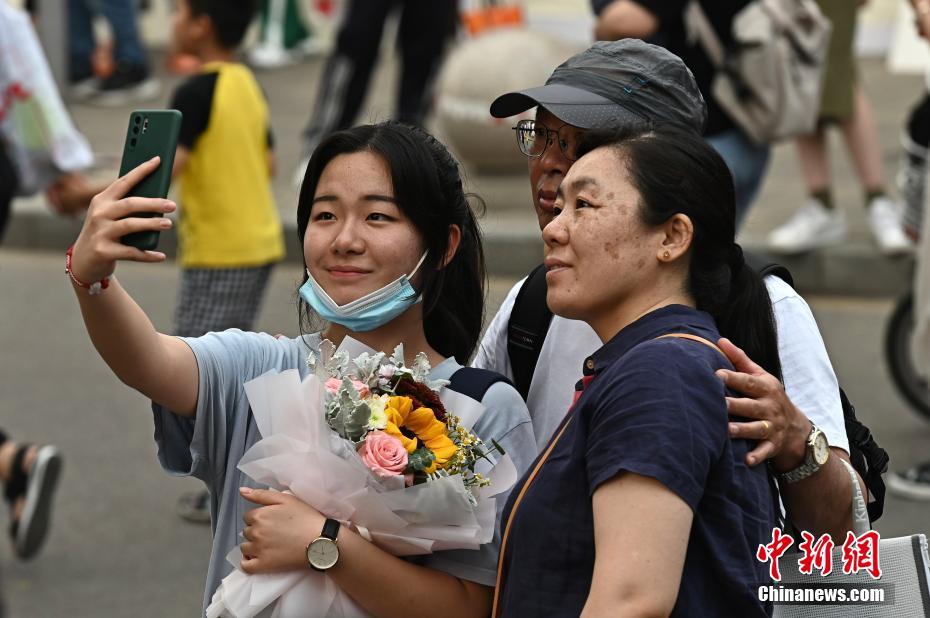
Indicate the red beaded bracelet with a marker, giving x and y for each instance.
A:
(93, 288)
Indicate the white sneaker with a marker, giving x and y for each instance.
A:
(85, 89)
(811, 227)
(141, 92)
(269, 56)
(913, 483)
(313, 45)
(885, 221)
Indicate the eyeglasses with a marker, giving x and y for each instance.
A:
(533, 138)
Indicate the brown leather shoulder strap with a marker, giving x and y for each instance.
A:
(516, 504)
(693, 338)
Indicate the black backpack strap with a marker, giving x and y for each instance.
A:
(766, 267)
(868, 458)
(474, 382)
(526, 331)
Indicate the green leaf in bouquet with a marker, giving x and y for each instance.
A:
(368, 366)
(421, 459)
(401, 371)
(397, 358)
(347, 414)
(437, 385)
(311, 361)
(322, 364)
(327, 349)
(338, 364)
(420, 367)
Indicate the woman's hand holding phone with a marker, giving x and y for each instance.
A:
(109, 218)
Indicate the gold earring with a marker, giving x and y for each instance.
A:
(666, 255)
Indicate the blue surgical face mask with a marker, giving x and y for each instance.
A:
(368, 312)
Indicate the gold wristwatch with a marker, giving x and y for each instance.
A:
(818, 452)
(322, 552)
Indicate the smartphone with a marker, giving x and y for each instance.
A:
(151, 132)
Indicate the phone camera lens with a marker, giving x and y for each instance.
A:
(137, 119)
(132, 142)
(135, 130)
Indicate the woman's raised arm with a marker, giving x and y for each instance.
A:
(161, 367)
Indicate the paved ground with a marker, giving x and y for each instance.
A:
(117, 548)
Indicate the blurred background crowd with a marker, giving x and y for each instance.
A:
(847, 226)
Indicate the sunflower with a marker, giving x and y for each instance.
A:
(424, 425)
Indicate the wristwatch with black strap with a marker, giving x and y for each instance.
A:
(322, 552)
(818, 452)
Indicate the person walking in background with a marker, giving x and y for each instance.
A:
(844, 103)
(29, 474)
(662, 22)
(284, 35)
(425, 28)
(230, 233)
(130, 80)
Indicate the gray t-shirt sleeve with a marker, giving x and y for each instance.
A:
(200, 446)
(507, 421)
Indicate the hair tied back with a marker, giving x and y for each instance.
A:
(735, 260)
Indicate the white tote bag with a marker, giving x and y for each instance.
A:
(905, 575)
(34, 123)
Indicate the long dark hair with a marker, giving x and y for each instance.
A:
(428, 188)
(678, 172)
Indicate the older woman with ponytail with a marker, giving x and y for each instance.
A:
(640, 505)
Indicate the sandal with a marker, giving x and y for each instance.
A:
(29, 531)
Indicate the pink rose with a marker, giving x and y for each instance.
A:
(384, 454)
(333, 385)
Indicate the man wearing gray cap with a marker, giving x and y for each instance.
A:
(613, 84)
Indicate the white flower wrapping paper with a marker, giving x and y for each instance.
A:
(299, 453)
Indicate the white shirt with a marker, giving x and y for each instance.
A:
(806, 370)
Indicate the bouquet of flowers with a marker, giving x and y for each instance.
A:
(377, 445)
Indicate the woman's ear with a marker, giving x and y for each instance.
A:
(679, 232)
(455, 237)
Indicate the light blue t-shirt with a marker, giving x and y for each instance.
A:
(210, 445)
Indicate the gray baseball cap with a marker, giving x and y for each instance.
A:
(612, 84)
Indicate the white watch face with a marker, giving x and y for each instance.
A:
(821, 449)
(322, 553)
